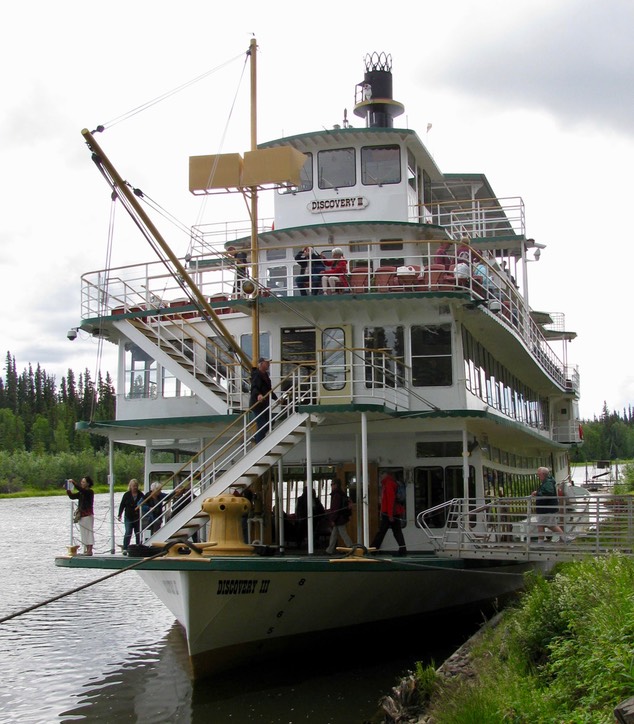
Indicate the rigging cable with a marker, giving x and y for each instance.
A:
(162, 97)
(103, 306)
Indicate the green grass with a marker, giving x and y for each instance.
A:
(564, 654)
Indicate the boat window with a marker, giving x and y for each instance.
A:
(431, 355)
(298, 350)
(391, 244)
(246, 344)
(454, 483)
(171, 386)
(305, 178)
(429, 490)
(333, 369)
(276, 280)
(426, 188)
(275, 254)
(439, 449)
(380, 165)
(434, 485)
(359, 245)
(392, 261)
(411, 171)
(140, 373)
(336, 168)
(384, 354)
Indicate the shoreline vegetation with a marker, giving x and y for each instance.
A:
(561, 653)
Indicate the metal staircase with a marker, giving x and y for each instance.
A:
(175, 347)
(243, 467)
(233, 458)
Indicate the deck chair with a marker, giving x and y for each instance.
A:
(385, 279)
(360, 279)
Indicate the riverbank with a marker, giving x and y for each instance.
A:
(563, 653)
(52, 492)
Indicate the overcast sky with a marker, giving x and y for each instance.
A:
(535, 94)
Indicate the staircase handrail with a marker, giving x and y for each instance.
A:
(207, 470)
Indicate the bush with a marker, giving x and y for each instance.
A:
(564, 654)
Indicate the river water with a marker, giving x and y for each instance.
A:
(112, 652)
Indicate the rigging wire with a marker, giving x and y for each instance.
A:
(168, 94)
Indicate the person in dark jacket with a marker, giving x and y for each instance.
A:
(131, 506)
(260, 399)
(339, 512)
(547, 506)
(391, 513)
(311, 266)
(85, 497)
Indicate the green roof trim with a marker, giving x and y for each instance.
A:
(343, 131)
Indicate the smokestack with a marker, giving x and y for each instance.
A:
(373, 97)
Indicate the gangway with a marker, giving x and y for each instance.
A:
(507, 528)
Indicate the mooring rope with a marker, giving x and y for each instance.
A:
(82, 587)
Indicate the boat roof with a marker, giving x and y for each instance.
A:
(316, 140)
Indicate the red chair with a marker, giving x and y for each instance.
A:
(360, 279)
(385, 279)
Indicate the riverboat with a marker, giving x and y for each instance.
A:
(421, 358)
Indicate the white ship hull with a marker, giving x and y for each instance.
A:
(253, 608)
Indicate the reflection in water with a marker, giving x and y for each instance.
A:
(113, 653)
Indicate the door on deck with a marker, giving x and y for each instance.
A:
(347, 473)
(323, 356)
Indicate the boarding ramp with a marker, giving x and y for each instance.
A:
(508, 528)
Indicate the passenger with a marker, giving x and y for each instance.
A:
(85, 497)
(442, 256)
(242, 271)
(462, 273)
(261, 398)
(311, 266)
(131, 506)
(339, 513)
(391, 513)
(301, 517)
(335, 275)
(547, 506)
(182, 497)
(154, 502)
(488, 285)
(463, 252)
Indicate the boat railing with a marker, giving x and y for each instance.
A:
(148, 287)
(584, 524)
(501, 217)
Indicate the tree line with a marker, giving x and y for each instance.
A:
(610, 436)
(38, 417)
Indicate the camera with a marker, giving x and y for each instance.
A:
(72, 334)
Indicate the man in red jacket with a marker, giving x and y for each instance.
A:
(391, 513)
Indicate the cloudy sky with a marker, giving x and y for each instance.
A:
(536, 94)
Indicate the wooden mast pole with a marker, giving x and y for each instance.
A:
(254, 210)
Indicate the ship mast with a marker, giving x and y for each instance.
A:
(254, 209)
